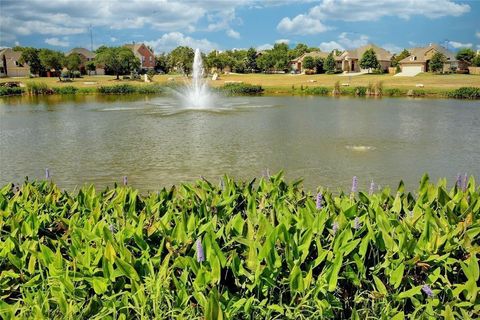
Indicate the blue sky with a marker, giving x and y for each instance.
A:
(222, 24)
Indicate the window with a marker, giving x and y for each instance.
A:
(143, 59)
(413, 58)
(151, 58)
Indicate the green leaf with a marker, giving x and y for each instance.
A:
(333, 278)
(397, 276)
(380, 286)
(99, 285)
(127, 269)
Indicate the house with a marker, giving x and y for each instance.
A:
(297, 64)
(10, 65)
(86, 56)
(349, 60)
(144, 53)
(419, 59)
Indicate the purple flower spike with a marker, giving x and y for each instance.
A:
(354, 184)
(465, 182)
(459, 181)
(356, 224)
(427, 290)
(335, 227)
(125, 180)
(47, 173)
(200, 254)
(319, 200)
(372, 188)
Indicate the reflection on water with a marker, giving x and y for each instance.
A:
(150, 139)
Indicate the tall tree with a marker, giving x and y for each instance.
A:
(161, 63)
(51, 60)
(309, 63)
(465, 55)
(73, 62)
(397, 58)
(31, 57)
(251, 60)
(181, 59)
(318, 65)
(436, 62)
(329, 65)
(369, 60)
(119, 60)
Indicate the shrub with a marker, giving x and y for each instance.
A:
(36, 88)
(148, 89)
(465, 93)
(117, 89)
(66, 90)
(317, 91)
(242, 89)
(10, 91)
(393, 92)
(419, 92)
(360, 91)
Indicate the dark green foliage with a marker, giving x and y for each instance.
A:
(318, 65)
(308, 63)
(150, 89)
(360, 91)
(181, 59)
(38, 88)
(117, 89)
(465, 93)
(329, 64)
(397, 58)
(476, 61)
(31, 57)
(241, 89)
(436, 62)
(465, 54)
(369, 60)
(73, 62)
(10, 91)
(66, 90)
(269, 252)
(394, 92)
(317, 91)
(119, 60)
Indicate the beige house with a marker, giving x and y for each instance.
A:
(419, 59)
(144, 54)
(297, 64)
(10, 65)
(86, 56)
(349, 60)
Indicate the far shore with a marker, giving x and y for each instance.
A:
(427, 84)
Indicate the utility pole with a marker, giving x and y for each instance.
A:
(91, 38)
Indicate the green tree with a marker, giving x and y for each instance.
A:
(369, 60)
(90, 66)
(31, 57)
(51, 60)
(329, 65)
(476, 61)
(119, 60)
(299, 49)
(279, 54)
(436, 62)
(161, 63)
(73, 62)
(465, 55)
(181, 59)
(309, 63)
(265, 62)
(397, 58)
(318, 65)
(251, 60)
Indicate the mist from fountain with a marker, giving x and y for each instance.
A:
(196, 94)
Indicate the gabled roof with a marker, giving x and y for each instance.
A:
(9, 53)
(420, 54)
(135, 46)
(382, 54)
(84, 52)
(313, 54)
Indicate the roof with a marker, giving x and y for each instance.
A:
(135, 46)
(9, 53)
(421, 54)
(84, 52)
(313, 54)
(382, 54)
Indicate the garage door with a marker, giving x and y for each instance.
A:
(411, 70)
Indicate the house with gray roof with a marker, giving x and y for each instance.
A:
(297, 63)
(10, 65)
(419, 59)
(349, 60)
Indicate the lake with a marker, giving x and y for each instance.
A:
(326, 141)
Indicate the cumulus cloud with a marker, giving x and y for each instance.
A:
(171, 40)
(113, 39)
(233, 34)
(458, 45)
(330, 46)
(313, 21)
(352, 40)
(477, 34)
(57, 42)
(392, 48)
(301, 24)
(266, 46)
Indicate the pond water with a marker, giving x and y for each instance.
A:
(326, 141)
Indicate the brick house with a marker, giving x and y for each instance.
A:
(297, 64)
(419, 59)
(349, 60)
(86, 56)
(144, 53)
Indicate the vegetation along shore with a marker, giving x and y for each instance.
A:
(237, 250)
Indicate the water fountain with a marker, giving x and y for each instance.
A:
(196, 94)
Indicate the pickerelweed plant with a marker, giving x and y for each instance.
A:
(261, 250)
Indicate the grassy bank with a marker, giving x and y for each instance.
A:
(238, 250)
(428, 85)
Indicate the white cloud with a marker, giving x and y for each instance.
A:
(57, 42)
(457, 45)
(266, 46)
(352, 40)
(330, 46)
(113, 39)
(313, 21)
(392, 48)
(301, 24)
(233, 34)
(170, 41)
(286, 41)
(477, 34)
